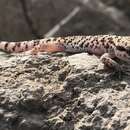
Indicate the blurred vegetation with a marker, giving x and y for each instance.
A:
(32, 19)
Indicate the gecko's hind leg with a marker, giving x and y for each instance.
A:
(110, 63)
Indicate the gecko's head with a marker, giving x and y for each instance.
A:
(124, 45)
(123, 53)
(125, 49)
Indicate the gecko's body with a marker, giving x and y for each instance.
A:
(107, 47)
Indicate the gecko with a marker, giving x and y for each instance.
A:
(106, 47)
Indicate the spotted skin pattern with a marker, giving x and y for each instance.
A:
(107, 47)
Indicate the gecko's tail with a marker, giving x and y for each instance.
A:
(4, 46)
(16, 47)
(54, 44)
(47, 45)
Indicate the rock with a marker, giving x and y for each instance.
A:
(62, 92)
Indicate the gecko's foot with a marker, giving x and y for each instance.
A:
(113, 65)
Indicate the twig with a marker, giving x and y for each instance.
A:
(57, 27)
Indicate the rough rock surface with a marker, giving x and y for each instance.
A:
(61, 92)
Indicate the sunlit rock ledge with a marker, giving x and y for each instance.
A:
(61, 92)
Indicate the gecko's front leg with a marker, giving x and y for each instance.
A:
(110, 63)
